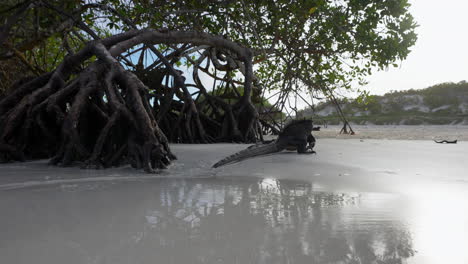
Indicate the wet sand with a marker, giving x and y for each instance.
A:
(356, 201)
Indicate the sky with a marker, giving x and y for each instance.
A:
(439, 55)
(441, 51)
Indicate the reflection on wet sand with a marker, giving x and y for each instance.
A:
(199, 221)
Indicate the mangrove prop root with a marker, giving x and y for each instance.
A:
(105, 115)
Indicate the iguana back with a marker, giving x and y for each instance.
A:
(296, 134)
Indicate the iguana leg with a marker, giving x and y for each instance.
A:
(311, 141)
(304, 149)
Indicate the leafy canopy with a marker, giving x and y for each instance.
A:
(306, 44)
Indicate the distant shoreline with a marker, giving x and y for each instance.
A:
(404, 132)
(441, 104)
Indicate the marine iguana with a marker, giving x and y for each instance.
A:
(297, 135)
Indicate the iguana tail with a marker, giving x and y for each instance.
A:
(248, 153)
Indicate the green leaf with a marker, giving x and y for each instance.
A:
(312, 10)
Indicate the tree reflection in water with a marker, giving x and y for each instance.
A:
(198, 221)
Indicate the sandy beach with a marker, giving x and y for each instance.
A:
(426, 132)
(357, 200)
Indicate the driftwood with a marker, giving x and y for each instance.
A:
(446, 141)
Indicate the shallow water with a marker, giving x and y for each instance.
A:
(226, 220)
(356, 201)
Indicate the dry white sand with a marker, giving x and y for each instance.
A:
(426, 132)
(356, 200)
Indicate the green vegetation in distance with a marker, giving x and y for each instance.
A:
(445, 103)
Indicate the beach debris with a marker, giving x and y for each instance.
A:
(297, 135)
(446, 141)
